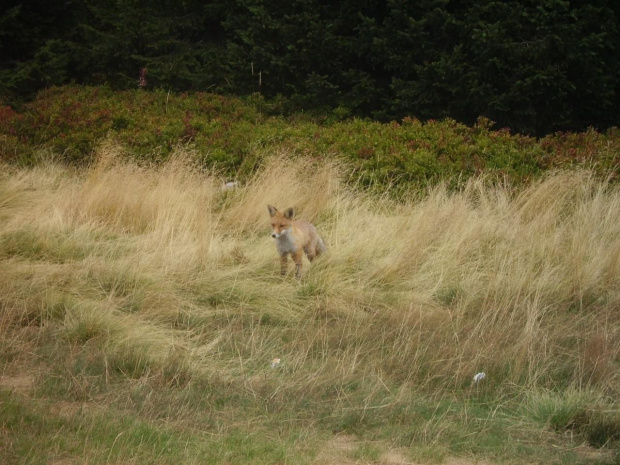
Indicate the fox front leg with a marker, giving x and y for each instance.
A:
(283, 264)
(297, 256)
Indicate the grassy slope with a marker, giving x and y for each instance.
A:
(141, 309)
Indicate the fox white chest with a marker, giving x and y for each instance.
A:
(285, 244)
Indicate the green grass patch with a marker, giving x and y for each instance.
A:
(55, 247)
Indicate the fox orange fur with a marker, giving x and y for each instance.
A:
(294, 237)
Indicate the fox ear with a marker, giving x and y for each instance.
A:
(272, 210)
(288, 213)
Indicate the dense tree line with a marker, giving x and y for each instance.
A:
(534, 66)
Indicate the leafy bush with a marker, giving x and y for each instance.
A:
(233, 136)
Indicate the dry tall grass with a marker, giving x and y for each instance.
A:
(163, 271)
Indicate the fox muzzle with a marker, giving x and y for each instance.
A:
(276, 235)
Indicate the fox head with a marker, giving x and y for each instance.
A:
(280, 221)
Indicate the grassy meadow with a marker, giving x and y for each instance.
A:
(142, 309)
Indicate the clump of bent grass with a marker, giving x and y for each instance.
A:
(132, 345)
(563, 410)
(311, 187)
(170, 207)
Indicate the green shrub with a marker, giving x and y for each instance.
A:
(231, 135)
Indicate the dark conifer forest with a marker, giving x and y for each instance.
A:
(535, 67)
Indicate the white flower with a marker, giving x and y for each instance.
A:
(479, 377)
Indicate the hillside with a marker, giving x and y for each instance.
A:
(142, 310)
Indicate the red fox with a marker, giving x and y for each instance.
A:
(293, 237)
